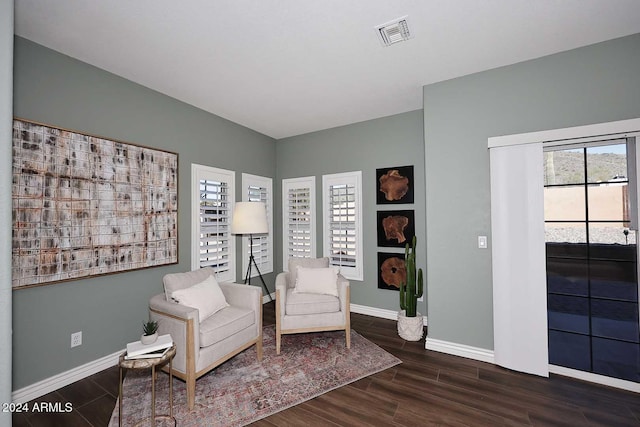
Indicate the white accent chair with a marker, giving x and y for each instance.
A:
(310, 312)
(202, 346)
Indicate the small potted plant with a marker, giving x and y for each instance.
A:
(410, 323)
(150, 329)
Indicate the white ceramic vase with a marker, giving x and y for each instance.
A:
(410, 328)
(149, 339)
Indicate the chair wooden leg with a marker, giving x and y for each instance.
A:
(191, 392)
(191, 366)
(347, 320)
(278, 320)
(259, 347)
(259, 343)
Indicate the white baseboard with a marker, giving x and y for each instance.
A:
(379, 312)
(461, 350)
(63, 379)
(484, 355)
(455, 349)
(595, 378)
(375, 312)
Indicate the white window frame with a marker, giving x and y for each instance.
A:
(199, 173)
(353, 179)
(304, 184)
(263, 261)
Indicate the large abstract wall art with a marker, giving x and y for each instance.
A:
(85, 205)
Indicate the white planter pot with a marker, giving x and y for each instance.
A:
(410, 328)
(149, 339)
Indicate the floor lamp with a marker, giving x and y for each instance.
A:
(251, 218)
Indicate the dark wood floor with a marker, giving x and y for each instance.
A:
(428, 388)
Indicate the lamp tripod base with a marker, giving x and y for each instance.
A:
(247, 277)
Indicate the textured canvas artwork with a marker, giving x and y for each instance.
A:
(395, 228)
(394, 185)
(391, 270)
(85, 205)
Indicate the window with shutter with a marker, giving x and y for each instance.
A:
(213, 200)
(298, 218)
(342, 207)
(259, 189)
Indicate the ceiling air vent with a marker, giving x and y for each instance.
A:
(394, 31)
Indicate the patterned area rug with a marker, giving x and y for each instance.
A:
(244, 390)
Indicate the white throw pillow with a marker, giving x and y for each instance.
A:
(317, 281)
(206, 296)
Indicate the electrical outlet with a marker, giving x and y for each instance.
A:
(76, 339)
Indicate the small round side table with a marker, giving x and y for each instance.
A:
(153, 364)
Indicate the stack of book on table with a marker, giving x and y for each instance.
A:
(137, 350)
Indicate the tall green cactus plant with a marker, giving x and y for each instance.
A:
(411, 290)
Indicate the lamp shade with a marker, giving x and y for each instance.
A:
(249, 218)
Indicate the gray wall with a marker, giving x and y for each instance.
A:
(389, 141)
(6, 95)
(58, 90)
(594, 84)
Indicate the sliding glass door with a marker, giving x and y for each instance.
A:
(591, 251)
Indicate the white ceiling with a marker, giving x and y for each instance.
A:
(287, 67)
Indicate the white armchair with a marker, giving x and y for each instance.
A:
(298, 312)
(203, 345)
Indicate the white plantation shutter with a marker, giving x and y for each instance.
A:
(261, 245)
(214, 225)
(259, 189)
(299, 223)
(298, 218)
(342, 225)
(342, 208)
(213, 205)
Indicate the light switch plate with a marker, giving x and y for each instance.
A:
(482, 242)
